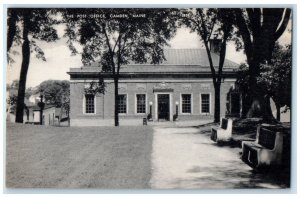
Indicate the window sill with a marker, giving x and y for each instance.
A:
(89, 114)
(205, 114)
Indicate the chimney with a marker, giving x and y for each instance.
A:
(215, 45)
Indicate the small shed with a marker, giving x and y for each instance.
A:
(48, 115)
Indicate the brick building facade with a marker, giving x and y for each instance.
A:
(180, 88)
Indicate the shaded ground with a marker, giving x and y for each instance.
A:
(78, 157)
(186, 158)
(237, 135)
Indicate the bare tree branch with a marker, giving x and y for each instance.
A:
(109, 48)
(116, 42)
(241, 23)
(205, 40)
(119, 54)
(254, 16)
(284, 23)
(11, 31)
(211, 29)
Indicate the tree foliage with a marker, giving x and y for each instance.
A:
(40, 27)
(12, 100)
(276, 76)
(136, 39)
(14, 85)
(55, 92)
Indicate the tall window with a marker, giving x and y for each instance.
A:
(89, 103)
(141, 103)
(122, 103)
(186, 104)
(205, 99)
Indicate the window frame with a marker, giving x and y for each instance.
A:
(181, 103)
(126, 104)
(209, 105)
(136, 104)
(84, 105)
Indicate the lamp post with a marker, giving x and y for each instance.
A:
(176, 115)
(150, 114)
(41, 104)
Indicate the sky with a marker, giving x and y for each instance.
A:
(59, 59)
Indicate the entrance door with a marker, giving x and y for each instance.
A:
(163, 107)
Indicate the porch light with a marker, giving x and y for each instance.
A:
(150, 114)
(176, 115)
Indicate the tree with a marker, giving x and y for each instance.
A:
(276, 77)
(242, 85)
(14, 84)
(12, 97)
(208, 22)
(116, 37)
(12, 100)
(55, 92)
(259, 29)
(37, 23)
(29, 92)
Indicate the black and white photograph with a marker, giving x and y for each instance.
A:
(152, 98)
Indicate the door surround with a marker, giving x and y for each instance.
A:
(170, 105)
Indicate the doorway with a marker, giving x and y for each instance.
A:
(163, 107)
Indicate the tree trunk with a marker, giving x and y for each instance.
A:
(277, 112)
(259, 102)
(24, 70)
(12, 27)
(116, 83)
(68, 118)
(268, 115)
(261, 108)
(217, 103)
(245, 105)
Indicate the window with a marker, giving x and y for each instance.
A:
(122, 103)
(205, 106)
(141, 103)
(89, 103)
(186, 103)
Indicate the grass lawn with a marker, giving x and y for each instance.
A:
(78, 157)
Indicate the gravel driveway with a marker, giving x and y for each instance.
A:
(78, 157)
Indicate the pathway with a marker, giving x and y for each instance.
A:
(185, 158)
